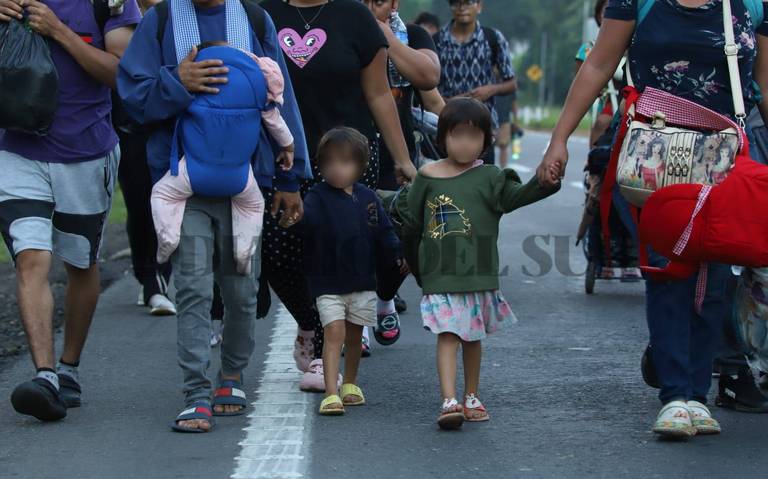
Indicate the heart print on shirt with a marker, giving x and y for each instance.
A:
(301, 49)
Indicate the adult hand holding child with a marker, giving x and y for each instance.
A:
(198, 76)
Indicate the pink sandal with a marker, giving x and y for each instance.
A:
(451, 416)
(474, 411)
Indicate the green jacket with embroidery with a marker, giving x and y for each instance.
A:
(450, 226)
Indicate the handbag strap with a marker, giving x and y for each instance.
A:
(681, 112)
(682, 242)
(732, 58)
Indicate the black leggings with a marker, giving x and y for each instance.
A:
(282, 257)
(136, 185)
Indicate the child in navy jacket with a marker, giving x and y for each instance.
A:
(346, 234)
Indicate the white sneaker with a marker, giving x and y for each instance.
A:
(160, 305)
(140, 301)
(216, 337)
(629, 275)
(674, 420)
(702, 419)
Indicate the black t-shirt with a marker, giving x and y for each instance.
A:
(418, 39)
(326, 62)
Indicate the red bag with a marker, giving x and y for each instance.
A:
(695, 224)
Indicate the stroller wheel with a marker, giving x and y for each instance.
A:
(589, 280)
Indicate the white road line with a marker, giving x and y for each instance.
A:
(521, 168)
(276, 440)
(577, 184)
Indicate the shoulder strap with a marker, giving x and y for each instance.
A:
(256, 17)
(101, 12)
(732, 55)
(493, 42)
(161, 10)
(643, 7)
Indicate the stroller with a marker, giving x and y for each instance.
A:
(619, 260)
(425, 133)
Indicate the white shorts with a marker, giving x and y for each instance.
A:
(357, 308)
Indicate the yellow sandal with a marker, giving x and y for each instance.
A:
(352, 390)
(332, 406)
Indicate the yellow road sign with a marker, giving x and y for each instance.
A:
(534, 73)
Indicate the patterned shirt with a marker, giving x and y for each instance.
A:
(469, 65)
(680, 50)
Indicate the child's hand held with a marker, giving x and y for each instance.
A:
(285, 158)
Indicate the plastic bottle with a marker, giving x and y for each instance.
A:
(401, 32)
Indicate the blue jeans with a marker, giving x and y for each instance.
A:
(754, 150)
(684, 343)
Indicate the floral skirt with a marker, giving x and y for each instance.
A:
(470, 316)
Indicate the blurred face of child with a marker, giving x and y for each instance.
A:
(341, 169)
(464, 144)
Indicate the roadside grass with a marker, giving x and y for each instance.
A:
(117, 216)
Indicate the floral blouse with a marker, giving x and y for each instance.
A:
(680, 50)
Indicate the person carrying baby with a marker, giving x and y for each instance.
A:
(219, 135)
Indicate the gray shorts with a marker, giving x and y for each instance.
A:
(56, 207)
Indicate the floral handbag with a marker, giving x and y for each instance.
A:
(701, 146)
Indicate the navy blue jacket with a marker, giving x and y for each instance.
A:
(345, 237)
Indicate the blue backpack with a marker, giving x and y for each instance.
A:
(755, 8)
(219, 134)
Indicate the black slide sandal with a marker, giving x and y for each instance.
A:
(198, 410)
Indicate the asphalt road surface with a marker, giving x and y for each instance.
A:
(562, 387)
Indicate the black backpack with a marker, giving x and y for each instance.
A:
(493, 42)
(101, 12)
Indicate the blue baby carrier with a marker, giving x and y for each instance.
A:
(219, 133)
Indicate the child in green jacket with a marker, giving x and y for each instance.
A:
(451, 218)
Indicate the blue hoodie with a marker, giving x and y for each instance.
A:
(149, 85)
(345, 238)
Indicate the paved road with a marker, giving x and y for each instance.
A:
(562, 386)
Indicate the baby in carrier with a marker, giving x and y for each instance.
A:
(219, 134)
